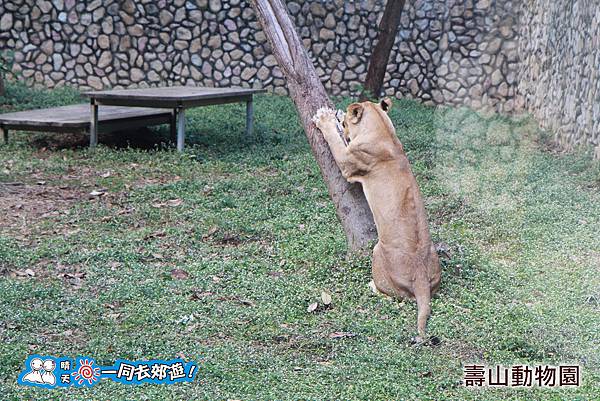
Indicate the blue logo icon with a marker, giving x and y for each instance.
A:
(54, 372)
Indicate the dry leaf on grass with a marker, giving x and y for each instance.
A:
(156, 234)
(341, 334)
(25, 273)
(174, 202)
(210, 231)
(75, 275)
(170, 203)
(312, 307)
(326, 298)
(97, 193)
(179, 274)
(197, 295)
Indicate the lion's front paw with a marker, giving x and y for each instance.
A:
(325, 119)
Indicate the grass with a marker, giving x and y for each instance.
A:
(251, 223)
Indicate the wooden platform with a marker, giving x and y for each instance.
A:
(176, 98)
(128, 108)
(173, 96)
(76, 118)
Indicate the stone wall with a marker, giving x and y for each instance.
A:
(560, 68)
(447, 51)
(498, 54)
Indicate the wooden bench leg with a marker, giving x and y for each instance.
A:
(4, 135)
(249, 117)
(180, 128)
(93, 124)
(173, 126)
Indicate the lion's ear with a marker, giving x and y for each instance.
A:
(355, 110)
(386, 104)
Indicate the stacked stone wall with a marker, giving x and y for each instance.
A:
(446, 52)
(560, 68)
(504, 55)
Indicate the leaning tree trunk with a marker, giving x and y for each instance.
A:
(381, 54)
(309, 95)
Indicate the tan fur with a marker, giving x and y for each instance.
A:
(405, 262)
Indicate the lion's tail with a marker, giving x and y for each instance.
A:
(422, 291)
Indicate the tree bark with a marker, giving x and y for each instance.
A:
(308, 94)
(388, 26)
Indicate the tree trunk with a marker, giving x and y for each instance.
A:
(381, 53)
(309, 95)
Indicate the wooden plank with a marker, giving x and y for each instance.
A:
(170, 95)
(174, 103)
(76, 117)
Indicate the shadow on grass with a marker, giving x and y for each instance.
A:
(142, 138)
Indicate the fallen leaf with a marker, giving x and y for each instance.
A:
(24, 273)
(326, 298)
(174, 202)
(246, 302)
(443, 250)
(458, 269)
(105, 175)
(97, 193)
(216, 279)
(200, 295)
(73, 232)
(179, 274)
(41, 182)
(156, 234)
(75, 275)
(158, 256)
(185, 319)
(341, 334)
(312, 307)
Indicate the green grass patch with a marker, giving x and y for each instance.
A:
(250, 221)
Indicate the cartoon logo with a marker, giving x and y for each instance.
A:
(54, 372)
(87, 372)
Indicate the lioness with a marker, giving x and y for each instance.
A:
(367, 150)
